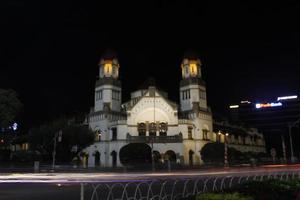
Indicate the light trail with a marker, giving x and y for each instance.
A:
(134, 177)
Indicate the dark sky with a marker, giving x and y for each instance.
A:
(49, 52)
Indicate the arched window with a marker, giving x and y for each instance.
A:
(142, 129)
(163, 127)
(152, 129)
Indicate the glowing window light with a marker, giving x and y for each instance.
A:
(266, 105)
(234, 106)
(287, 97)
(193, 68)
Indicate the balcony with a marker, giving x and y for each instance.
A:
(154, 139)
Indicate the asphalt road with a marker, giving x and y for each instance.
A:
(56, 186)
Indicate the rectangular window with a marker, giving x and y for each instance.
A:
(190, 133)
(114, 134)
(202, 94)
(188, 94)
(116, 95)
(98, 94)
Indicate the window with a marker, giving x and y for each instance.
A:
(163, 129)
(142, 129)
(114, 134)
(193, 67)
(107, 67)
(98, 94)
(202, 94)
(152, 129)
(186, 94)
(116, 95)
(190, 133)
(205, 136)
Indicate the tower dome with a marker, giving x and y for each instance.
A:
(191, 65)
(109, 64)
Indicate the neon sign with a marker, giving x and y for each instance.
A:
(287, 97)
(266, 105)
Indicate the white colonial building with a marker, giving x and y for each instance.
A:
(179, 131)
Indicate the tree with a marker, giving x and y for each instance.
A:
(10, 107)
(73, 133)
(214, 153)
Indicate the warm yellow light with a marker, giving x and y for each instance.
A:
(227, 134)
(107, 67)
(193, 68)
(219, 133)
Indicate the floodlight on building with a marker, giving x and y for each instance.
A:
(234, 106)
(287, 97)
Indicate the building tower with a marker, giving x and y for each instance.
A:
(192, 86)
(108, 87)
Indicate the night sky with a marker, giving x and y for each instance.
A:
(49, 53)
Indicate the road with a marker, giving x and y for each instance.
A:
(36, 186)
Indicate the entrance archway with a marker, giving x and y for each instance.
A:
(97, 159)
(114, 158)
(170, 155)
(135, 154)
(156, 156)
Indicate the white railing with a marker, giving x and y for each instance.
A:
(171, 189)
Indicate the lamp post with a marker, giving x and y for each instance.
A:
(152, 154)
(225, 150)
(59, 137)
(283, 149)
(290, 125)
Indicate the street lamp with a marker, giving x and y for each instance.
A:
(152, 154)
(290, 125)
(57, 136)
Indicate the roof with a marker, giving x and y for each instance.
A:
(109, 54)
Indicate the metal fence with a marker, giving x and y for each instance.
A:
(171, 189)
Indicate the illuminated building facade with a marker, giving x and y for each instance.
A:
(176, 132)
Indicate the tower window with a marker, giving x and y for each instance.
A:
(193, 67)
(107, 67)
(202, 94)
(98, 94)
(116, 95)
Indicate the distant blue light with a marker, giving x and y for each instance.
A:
(15, 126)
